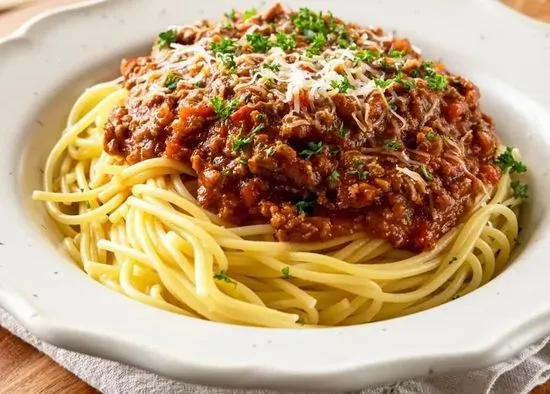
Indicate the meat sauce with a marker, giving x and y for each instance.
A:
(321, 128)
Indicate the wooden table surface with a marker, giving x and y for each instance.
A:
(23, 369)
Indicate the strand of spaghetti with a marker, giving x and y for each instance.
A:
(366, 316)
(320, 246)
(90, 98)
(184, 224)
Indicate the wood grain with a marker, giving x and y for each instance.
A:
(23, 369)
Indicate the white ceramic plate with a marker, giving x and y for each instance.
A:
(53, 58)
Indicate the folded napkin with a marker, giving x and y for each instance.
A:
(518, 375)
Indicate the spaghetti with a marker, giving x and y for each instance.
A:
(139, 229)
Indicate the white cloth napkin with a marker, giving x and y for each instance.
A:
(518, 375)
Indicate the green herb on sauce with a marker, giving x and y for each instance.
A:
(383, 83)
(342, 132)
(362, 175)
(435, 80)
(392, 145)
(273, 66)
(225, 45)
(305, 207)
(284, 41)
(232, 15)
(222, 275)
(226, 172)
(334, 177)
(342, 85)
(430, 135)
(396, 54)
(313, 148)
(258, 42)
(242, 161)
(367, 55)
(239, 143)
(317, 43)
(286, 272)
(308, 22)
(171, 81)
(224, 108)
(407, 83)
(426, 174)
(167, 37)
(520, 190)
(506, 161)
(249, 13)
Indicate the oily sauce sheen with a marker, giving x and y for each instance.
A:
(319, 127)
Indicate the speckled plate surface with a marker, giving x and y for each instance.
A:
(53, 58)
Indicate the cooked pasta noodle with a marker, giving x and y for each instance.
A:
(139, 230)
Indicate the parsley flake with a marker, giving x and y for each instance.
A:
(392, 145)
(239, 143)
(342, 85)
(286, 272)
(249, 13)
(225, 45)
(342, 132)
(222, 275)
(396, 54)
(334, 176)
(318, 42)
(367, 55)
(273, 66)
(383, 83)
(167, 37)
(426, 174)
(285, 41)
(171, 82)
(520, 190)
(258, 42)
(506, 160)
(430, 135)
(224, 108)
(435, 80)
(312, 149)
(362, 175)
(305, 207)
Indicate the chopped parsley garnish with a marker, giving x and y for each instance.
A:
(226, 172)
(285, 41)
(430, 135)
(343, 131)
(392, 145)
(346, 43)
(225, 45)
(305, 207)
(309, 23)
(171, 81)
(224, 108)
(228, 60)
(407, 83)
(343, 85)
(222, 275)
(426, 174)
(318, 42)
(520, 190)
(334, 177)
(362, 175)
(249, 13)
(435, 80)
(383, 83)
(258, 42)
(167, 37)
(313, 148)
(273, 66)
(506, 160)
(286, 272)
(232, 15)
(396, 54)
(239, 143)
(242, 161)
(367, 55)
